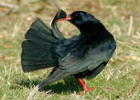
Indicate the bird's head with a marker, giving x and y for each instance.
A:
(80, 17)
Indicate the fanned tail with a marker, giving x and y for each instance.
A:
(39, 50)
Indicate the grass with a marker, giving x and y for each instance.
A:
(119, 80)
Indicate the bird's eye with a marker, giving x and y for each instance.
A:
(75, 15)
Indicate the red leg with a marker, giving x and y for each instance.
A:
(84, 86)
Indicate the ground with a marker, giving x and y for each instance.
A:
(119, 80)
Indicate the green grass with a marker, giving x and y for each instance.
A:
(119, 80)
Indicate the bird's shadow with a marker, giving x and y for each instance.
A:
(69, 85)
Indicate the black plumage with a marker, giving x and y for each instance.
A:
(83, 56)
(39, 48)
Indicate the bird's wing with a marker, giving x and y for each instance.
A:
(54, 76)
(96, 71)
(90, 61)
(71, 65)
(55, 31)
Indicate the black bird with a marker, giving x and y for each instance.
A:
(83, 56)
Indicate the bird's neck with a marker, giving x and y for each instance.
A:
(91, 33)
(91, 27)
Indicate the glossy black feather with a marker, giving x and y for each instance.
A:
(83, 56)
(39, 50)
(91, 50)
(55, 30)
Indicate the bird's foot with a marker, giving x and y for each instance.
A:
(87, 89)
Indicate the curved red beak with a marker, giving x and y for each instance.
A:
(67, 18)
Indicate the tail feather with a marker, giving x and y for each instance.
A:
(41, 26)
(37, 55)
(39, 50)
(34, 34)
